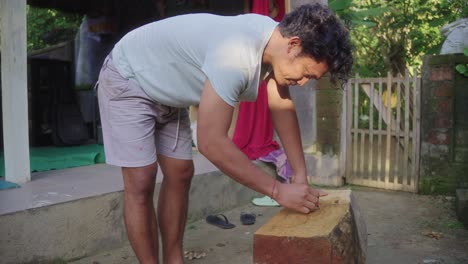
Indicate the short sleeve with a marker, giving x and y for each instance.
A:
(228, 71)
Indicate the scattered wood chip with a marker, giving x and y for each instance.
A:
(433, 234)
(192, 254)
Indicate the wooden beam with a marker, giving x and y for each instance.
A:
(287, 6)
(14, 90)
(336, 233)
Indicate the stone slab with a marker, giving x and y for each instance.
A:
(78, 228)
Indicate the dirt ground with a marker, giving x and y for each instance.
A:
(402, 228)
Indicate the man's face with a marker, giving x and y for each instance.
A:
(296, 69)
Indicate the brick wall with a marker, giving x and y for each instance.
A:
(444, 129)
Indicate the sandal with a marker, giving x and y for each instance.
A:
(265, 201)
(220, 221)
(247, 218)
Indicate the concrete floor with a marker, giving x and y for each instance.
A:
(59, 186)
(402, 228)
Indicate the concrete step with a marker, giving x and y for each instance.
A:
(54, 219)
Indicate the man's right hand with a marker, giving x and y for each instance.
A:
(299, 197)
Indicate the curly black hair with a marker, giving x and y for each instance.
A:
(323, 37)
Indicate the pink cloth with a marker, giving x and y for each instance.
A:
(262, 7)
(254, 129)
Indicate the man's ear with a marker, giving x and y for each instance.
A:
(294, 44)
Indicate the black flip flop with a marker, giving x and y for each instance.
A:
(220, 221)
(247, 218)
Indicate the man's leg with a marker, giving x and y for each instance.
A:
(173, 205)
(139, 214)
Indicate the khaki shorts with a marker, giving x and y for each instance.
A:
(135, 128)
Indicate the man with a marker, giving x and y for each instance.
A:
(156, 71)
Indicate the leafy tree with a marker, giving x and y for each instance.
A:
(47, 27)
(352, 16)
(358, 18)
(395, 35)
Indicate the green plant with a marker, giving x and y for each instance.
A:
(191, 227)
(46, 27)
(395, 35)
(463, 68)
(452, 224)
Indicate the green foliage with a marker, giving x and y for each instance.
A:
(353, 16)
(453, 224)
(463, 68)
(393, 36)
(443, 179)
(191, 227)
(47, 27)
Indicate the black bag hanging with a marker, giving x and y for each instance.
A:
(63, 113)
(68, 126)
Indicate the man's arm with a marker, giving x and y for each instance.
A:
(283, 114)
(214, 119)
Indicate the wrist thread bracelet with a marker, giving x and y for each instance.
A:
(273, 190)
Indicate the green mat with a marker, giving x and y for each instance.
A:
(49, 158)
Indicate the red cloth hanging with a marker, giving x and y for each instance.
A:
(254, 129)
(262, 7)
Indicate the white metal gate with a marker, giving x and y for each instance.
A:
(383, 135)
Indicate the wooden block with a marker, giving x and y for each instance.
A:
(336, 233)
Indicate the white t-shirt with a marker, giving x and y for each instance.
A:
(172, 58)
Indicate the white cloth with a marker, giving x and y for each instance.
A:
(457, 37)
(172, 58)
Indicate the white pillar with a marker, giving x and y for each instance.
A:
(14, 90)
